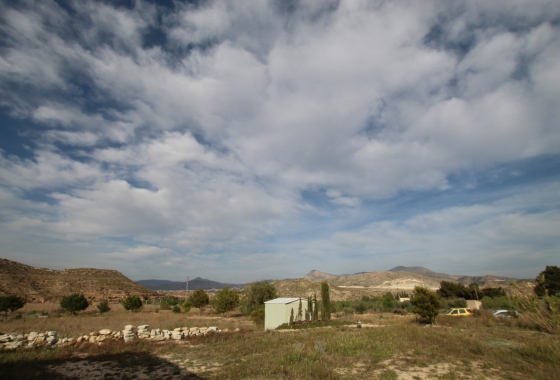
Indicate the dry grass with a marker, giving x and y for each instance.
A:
(479, 347)
(89, 321)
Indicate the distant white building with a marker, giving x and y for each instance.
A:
(278, 311)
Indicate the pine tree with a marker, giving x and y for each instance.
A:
(299, 311)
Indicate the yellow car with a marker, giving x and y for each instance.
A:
(459, 312)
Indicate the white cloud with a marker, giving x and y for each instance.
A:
(208, 144)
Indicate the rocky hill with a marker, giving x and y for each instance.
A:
(483, 281)
(425, 272)
(318, 275)
(39, 284)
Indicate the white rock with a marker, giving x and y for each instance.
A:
(104, 332)
(50, 333)
(92, 339)
(32, 335)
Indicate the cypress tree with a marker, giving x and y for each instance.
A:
(315, 308)
(326, 300)
(292, 318)
(299, 311)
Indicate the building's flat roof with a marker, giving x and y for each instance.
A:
(284, 300)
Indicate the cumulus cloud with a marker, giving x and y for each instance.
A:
(215, 129)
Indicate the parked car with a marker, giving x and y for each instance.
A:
(506, 313)
(459, 312)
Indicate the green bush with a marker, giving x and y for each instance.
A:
(103, 306)
(74, 303)
(225, 300)
(186, 306)
(425, 303)
(132, 303)
(176, 309)
(199, 298)
(496, 303)
(257, 316)
(11, 303)
(361, 308)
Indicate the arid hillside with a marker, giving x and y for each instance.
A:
(39, 284)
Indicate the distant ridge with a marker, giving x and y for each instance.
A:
(484, 280)
(196, 283)
(40, 284)
(425, 272)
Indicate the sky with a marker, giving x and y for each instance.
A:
(247, 140)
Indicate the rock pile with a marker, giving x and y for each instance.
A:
(50, 338)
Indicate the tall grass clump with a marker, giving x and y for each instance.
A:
(543, 312)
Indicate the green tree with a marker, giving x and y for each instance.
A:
(326, 300)
(11, 303)
(292, 317)
(255, 295)
(425, 303)
(450, 289)
(74, 303)
(548, 281)
(132, 303)
(103, 306)
(199, 298)
(300, 311)
(225, 300)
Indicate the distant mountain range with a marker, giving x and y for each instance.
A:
(404, 277)
(196, 283)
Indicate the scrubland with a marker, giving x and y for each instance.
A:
(387, 346)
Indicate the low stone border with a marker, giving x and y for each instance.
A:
(129, 334)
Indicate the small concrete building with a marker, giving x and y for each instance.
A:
(474, 304)
(278, 311)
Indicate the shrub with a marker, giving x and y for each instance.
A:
(11, 303)
(543, 312)
(257, 316)
(176, 309)
(199, 298)
(74, 303)
(425, 304)
(225, 300)
(186, 306)
(103, 306)
(495, 303)
(132, 303)
(256, 294)
(361, 308)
